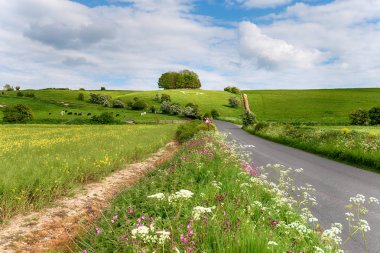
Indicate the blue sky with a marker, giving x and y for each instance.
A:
(254, 44)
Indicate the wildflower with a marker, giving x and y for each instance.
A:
(358, 199)
(363, 226)
(85, 251)
(130, 210)
(298, 170)
(373, 200)
(272, 243)
(199, 210)
(159, 196)
(163, 236)
(97, 231)
(318, 250)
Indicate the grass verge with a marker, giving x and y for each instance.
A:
(356, 147)
(41, 162)
(202, 201)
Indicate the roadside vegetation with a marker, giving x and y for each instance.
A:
(209, 199)
(41, 162)
(355, 145)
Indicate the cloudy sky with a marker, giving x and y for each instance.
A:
(127, 44)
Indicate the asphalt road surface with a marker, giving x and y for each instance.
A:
(335, 182)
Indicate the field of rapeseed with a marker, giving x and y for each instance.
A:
(41, 162)
(210, 199)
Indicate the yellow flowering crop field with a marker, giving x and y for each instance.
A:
(41, 162)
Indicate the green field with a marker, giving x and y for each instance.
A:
(40, 162)
(309, 106)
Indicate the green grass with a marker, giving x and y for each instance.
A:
(308, 106)
(40, 162)
(359, 146)
(242, 218)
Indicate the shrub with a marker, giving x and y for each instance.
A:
(17, 114)
(165, 107)
(18, 87)
(228, 88)
(2, 93)
(138, 105)
(187, 131)
(152, 109)
(374, 115)
(30, 95)
(118, 104)
(215, 114)
(359, 117)
(81, 89)
(157, 97)
(175, 109)
(104, 118)
(235, 90)
(260, 126)
(107, 103)
(165, 97)
(234, 102)
(102, 88)
(248, 118)
(191, 111)
(81, 96)
(100, 99)
(20, 94)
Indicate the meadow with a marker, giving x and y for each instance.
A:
(356, 145)
(207, 199)
(41, 162)
(329, 107)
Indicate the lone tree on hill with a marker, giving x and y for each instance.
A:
(184, 79)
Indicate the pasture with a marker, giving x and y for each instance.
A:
(41, 162)
(308, 106)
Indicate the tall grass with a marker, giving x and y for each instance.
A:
(244, 213)
(358, 147)
(40, 162)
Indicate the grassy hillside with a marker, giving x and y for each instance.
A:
(319, 106)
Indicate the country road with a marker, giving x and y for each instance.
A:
(335, 182)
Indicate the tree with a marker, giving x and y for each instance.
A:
(8, 87)
(81, 96)
(359, 117)
(184, 79)
(18, 87)
(102, 88)
(17, 114)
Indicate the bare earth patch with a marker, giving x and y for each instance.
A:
(54, 227)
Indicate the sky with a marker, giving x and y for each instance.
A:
(252, 44)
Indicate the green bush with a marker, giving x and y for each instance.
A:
(359, 117)
(232, 89)
(118, 104)
(184, 79)
(100, 99)
(165, 107)
(30, 95)
(81, 96)
(175, 109)
(138, 105)
(374, 115)
(102, 88)
(191, 111)
(215, 114)
(188, 130)
(104, 118)
(234, 102)
(260, 126)
(165, 97)
(20, 94)
(157, 98)
(248, 118)
(17, 114)
(207, 115)
(18, 87)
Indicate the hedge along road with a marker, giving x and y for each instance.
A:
(335, 183)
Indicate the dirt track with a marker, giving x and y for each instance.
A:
(55, 227)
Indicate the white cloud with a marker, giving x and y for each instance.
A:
(270, 53)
